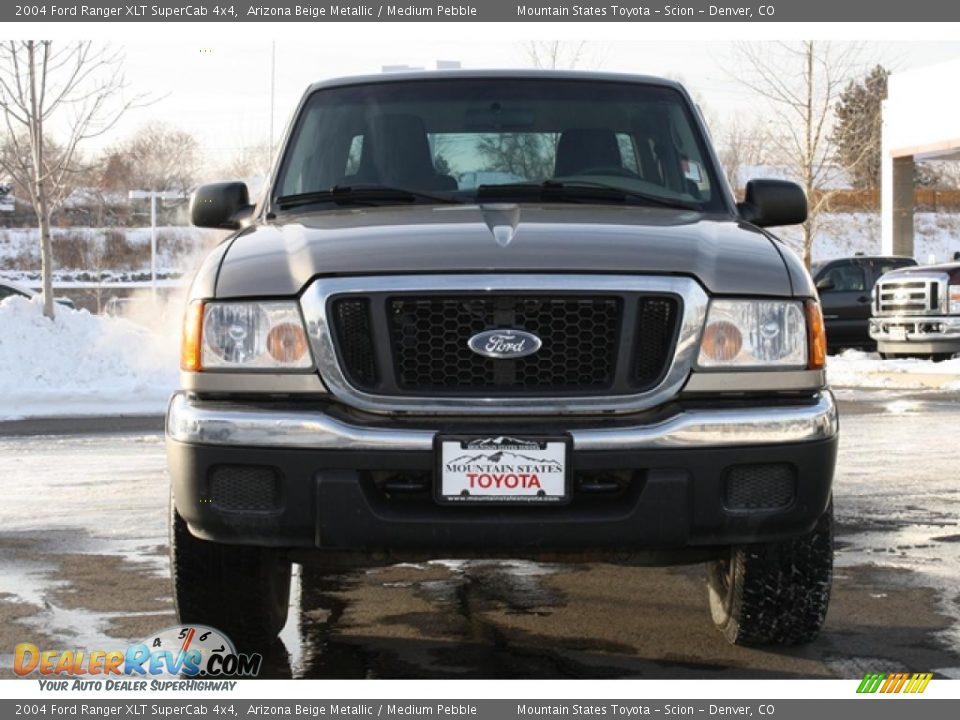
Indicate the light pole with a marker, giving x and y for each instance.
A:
(154, 195)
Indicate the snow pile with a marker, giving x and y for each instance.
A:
(853, 368)
(80, 364)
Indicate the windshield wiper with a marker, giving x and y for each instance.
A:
(360, 195)
(576, 190)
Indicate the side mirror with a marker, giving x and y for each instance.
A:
(825, 284)
(768, 203)
(224, 206)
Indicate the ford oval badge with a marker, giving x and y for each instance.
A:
(505, 344)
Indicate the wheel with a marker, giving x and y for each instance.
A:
(774, 593)
(242, 591)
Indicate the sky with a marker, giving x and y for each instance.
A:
(220, 91)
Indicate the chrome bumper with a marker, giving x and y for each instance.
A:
(915, 328)
(233, 424)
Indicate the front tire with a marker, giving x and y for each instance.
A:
(242, 591)
(774, 593)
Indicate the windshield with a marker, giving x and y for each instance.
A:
(449, 137)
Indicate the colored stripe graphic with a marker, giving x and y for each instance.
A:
(894, 683)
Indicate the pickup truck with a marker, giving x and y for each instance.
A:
(846, 287)
(916, 312)
(502, 314)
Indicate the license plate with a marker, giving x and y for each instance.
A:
(897, 333)
(502, 469)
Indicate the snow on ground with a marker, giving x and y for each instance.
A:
(83, 364)
(80, 364)
(853, 368)
(936, 235)
(103, 254)
(840, 234)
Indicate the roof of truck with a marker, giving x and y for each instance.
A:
(525, 74)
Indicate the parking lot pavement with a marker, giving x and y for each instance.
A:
(83, 564)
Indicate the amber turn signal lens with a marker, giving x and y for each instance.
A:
(191, 337)
(816, 336)
(286, 343)
(722, 341)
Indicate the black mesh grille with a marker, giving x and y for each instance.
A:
(244, 488)
(656, 327)
(355, 341)
(767, 486)
(579, 334)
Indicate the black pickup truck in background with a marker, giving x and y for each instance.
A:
(845, 286)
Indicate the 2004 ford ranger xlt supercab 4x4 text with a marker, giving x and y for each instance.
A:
(502, 314)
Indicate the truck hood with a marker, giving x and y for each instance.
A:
(726, 256)
(951, 270)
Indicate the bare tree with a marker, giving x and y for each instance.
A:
(157, 157)
(801, 83)
(742, 144)
(79, 84)
(524, 155)
(562, 54)
(250, 161)
(16, 159)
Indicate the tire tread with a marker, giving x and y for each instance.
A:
(780, 591)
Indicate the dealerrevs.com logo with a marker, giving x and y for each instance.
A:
(184, 651)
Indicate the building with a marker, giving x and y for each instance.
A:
(921, 121)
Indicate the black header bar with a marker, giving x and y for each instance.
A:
(485, 11)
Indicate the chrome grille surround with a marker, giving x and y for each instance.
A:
(316, 300)
(913, 294)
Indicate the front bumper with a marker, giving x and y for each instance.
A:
(329, 495)
(911, 334)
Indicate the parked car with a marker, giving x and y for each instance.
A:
(8, 288)
(916, 312)
(608, 359)
(845, 286)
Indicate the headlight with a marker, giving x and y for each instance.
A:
(754, 334)
(953, 293)
(245, 336)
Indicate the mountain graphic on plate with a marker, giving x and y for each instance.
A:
(502, 441)
(498, 456)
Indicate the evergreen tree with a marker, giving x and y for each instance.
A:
(856, 134)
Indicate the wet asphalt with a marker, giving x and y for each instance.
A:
(83, 564)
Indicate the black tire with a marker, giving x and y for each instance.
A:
(240, 590)
(774, 593)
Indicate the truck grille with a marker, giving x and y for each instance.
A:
(355, 339)
(917, 296)
(417, 344)
(244, 488)
(764, 486)
(429, 337)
